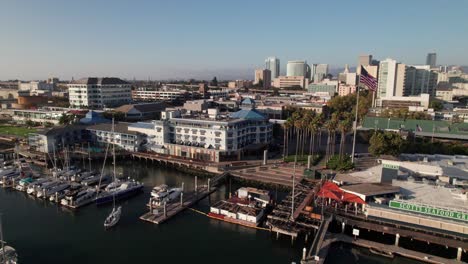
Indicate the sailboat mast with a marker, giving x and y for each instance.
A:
(1, 240)
(113, 157)
(89, 157)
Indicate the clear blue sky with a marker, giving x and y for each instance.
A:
(201, 38)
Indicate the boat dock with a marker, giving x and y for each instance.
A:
(283, 221)
(187, 199)
(160, 215)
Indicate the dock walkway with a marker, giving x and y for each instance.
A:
(384, 249)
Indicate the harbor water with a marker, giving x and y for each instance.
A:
(43, 232)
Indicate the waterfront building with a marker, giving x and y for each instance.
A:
(296, 68)
(143, 94)
(273, 64)
(285, 82)
(42, 116)
(98, 93)
(431, 60)
(119, 135)
(50, 140)
(210, 137)
(426, 191)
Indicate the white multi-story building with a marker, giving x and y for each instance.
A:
(158, 95)
(210, 138)
(97, 93)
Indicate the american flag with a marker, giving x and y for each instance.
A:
(368, 80)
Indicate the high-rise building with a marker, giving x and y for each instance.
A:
(431, 59)
(263, 75)
(273, 64)
(321, 71)
(363, 60)
(420, 80)
(296, 68)
(391, 79)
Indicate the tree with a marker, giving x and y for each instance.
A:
(436, 105)
(385, 143)
(344, 125)
(214, 82)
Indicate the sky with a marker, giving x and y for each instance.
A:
(182, 39)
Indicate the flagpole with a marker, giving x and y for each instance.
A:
(355, 120)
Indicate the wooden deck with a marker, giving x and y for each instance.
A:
(159, 216)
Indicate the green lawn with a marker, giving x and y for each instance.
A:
(16, 131)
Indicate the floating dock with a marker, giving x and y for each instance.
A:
(159, 216)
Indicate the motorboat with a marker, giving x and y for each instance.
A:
(121, 191)
(23, 184)
(45, 188)
(35, 185)
(162, 194)
(53, 193)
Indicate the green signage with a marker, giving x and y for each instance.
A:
(424, 209)
(390, 166)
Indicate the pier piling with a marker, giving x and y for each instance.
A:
(397, 239)
(459, 254)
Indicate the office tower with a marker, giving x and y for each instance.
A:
(296, 68)
(431, 59)
(391, 79)
(263, 75)
(420, 80)
(273, 64)
(321, 71)
(363, 60)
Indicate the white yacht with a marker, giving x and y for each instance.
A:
(163, 194)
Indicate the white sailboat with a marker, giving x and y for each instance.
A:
(114, 216)
(8, 254)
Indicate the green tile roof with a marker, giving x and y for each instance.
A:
(421, 127)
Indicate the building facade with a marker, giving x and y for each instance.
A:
(320, 72)
(142, 94)
(120, 136)
(431, 60)
(285, 82)
(98, 93)
(273, 64)
(296, 68)
(209, 138)
(263, 75)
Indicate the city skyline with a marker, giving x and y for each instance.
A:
(161, 40)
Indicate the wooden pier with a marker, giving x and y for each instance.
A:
(164, 213)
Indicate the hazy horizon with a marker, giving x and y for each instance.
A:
(201, 39)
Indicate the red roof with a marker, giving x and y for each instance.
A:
(332, 191)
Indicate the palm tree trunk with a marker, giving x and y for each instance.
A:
(310, 142)
(284, 143)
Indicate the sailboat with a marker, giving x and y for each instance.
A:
(114, 216)
(8, 254)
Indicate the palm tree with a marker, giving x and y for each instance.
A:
(331, 126)
(344, 126)
(313, 128)
(286, 126)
